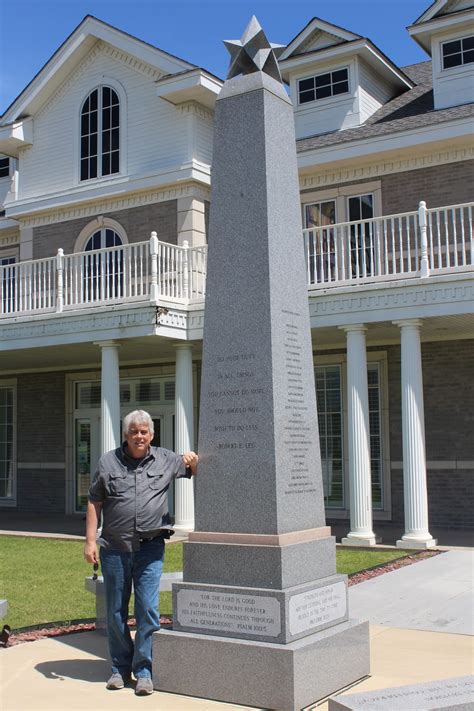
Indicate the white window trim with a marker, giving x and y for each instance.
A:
(341, 197)
(380, 357)
(326, 99)
(454, 38)
(11, 502)
(99, 223)
(123, 161)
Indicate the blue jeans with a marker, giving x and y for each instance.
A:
(143, 568)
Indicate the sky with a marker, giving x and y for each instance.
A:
(32, 30)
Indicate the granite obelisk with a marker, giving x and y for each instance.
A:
(261, 617)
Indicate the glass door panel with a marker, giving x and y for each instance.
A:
(82, 462)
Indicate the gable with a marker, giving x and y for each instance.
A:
(318, 40)
(442, 8)
(73, 50)
(317, 35)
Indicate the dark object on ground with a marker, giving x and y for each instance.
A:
(5, 635)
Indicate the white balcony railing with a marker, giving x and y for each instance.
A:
(408, 245)
(142, 271)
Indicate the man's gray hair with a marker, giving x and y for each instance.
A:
(137, 417)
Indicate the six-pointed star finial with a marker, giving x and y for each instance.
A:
(253, 53)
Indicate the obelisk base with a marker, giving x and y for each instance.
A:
(273, 676)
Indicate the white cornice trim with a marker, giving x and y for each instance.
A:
(116, 195)
(379, 167)
(411, 298)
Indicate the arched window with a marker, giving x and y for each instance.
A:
(100, 134)
(103, 268)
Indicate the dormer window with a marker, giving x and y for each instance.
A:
(323, 86)
(100, 134)
(458, 52)
(4, 167)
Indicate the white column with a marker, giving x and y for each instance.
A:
(415, 491)
(184, 409)
(360, 485)
(110, 396)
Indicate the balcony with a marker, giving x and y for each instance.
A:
(424, 243)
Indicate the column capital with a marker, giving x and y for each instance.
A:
(409, 323)
(354, 327)
(183, 346)
(107, 344)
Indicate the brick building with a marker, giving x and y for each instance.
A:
(105, 183)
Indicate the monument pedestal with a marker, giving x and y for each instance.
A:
(285, 677)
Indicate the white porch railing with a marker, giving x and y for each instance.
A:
(142, 271)
(406, 245)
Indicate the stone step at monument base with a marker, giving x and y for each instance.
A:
(272, 676)
(277, 616)
(259, 566)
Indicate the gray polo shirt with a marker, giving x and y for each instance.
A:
(134, 494)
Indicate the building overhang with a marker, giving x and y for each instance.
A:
(423, 32)
(15, 136)
(194, 85)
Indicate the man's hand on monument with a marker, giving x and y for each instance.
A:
(90, 553)
(191, 460)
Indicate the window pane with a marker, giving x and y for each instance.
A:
(106, 141)
(93, 168)
(452, 47)
(84, 124)
(115, 116)
(328, 392)
(367, 206)
(454, 60)
(115, 139)
(306, 84)
(341, 88)
(323, 92)
(469, 56)
(93, 145)
(6, 442)
(306, 96)
(105, 119)
(115, 162)
(468, 43)
(105, 96)
(84, 169)
(340, 75)
(94, 98)
(323, 80)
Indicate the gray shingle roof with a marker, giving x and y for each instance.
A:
(412, 109)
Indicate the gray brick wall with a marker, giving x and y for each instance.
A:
(41, 438)
(449, 184)
(448, 388)
(138, 223)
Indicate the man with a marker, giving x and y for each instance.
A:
(130, 488)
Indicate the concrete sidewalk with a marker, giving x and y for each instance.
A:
(70, 671)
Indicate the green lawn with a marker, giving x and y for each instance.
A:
(43, 579)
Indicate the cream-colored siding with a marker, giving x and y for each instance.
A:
(374, 92)
(153, 132)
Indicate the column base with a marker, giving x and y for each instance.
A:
(414, 543)
(360, 540)
(185, 527)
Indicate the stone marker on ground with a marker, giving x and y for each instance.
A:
(442, 695)
(261, 617)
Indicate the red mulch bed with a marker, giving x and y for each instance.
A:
(57, 629)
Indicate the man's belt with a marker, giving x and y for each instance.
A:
(160, 534)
